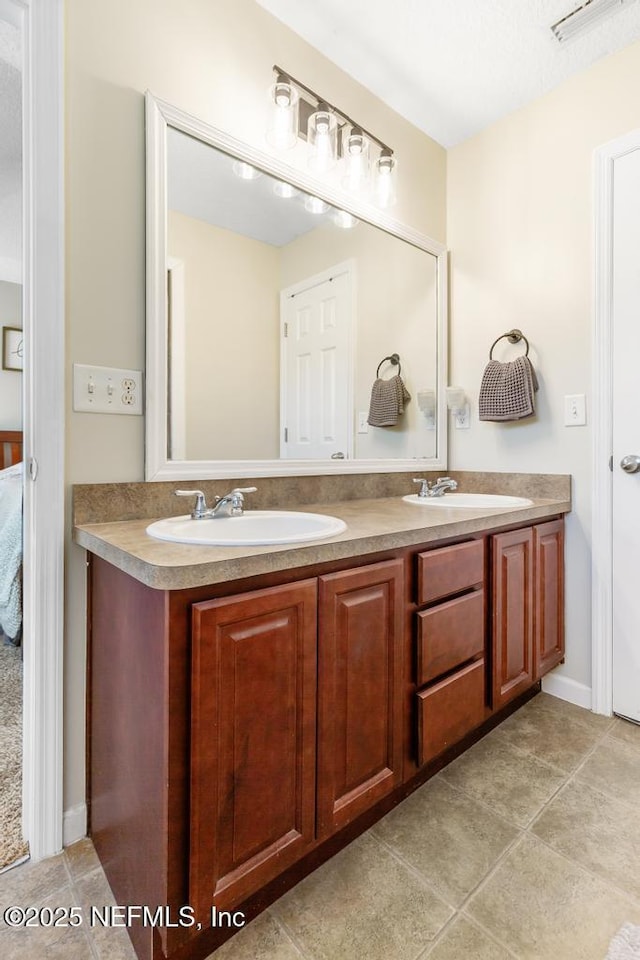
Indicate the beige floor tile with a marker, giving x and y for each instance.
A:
(362, 903)
(514, 786)
(447, 836)
(464, 941)
(109, 943)
(625, 730)
(556, 735)
(81, 858)
(262, 939)
(543, 907)
(30, 883)
(614, 768)
(596, 831)
(563, 710)
(54, 943)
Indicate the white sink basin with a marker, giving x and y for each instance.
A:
(469, 500)
(255, 528)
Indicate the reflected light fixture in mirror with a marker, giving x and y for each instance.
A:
(333, 138)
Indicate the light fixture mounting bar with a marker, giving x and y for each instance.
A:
(340, 113)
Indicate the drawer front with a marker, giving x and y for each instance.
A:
(449, 634)
(449, 570)
(450, 709)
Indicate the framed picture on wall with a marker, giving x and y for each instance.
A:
(12, 348)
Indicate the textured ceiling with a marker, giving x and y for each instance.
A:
(452, 67)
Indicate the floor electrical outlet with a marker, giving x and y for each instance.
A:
(106, 390)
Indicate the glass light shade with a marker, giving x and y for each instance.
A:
(285, 190)
(245, 171)
(322, 140)
(316, 205)
(282, 124)
(344, 220)
(385, 186)
(356, 161)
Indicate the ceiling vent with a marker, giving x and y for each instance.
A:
(586, 16)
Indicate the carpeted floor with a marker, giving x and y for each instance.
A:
(12, 846)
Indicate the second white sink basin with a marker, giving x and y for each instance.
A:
(255, 528)
(469, 500)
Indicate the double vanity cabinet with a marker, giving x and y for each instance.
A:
(243, 731)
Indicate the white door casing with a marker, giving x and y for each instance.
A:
(605, 457)
(316, 382)
(626, 435)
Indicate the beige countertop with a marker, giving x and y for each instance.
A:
(373, 525)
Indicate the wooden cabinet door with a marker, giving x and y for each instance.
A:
(359, 690)
(253, 717)
(512, 561)
(548, 539)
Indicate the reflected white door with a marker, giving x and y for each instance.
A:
(316, 382)
(626, 436)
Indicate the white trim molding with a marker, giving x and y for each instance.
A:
(567, 689)
(602, 534)
(74, 824)
(43, 386)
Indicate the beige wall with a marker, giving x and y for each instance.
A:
(232, 382)
(519, 227)
(10, 381)
(395, 286)
(212, 58)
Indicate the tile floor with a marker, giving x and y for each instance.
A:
(527, 846)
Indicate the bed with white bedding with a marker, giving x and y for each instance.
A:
(11, 536)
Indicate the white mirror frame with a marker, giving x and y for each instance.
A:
(159, 116)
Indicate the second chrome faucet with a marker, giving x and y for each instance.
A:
(435, 488)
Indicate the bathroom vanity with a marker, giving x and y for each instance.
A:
(250, 715)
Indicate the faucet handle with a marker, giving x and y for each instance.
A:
(422, 492)
(244, 490)
(200, 507)
(447, 480)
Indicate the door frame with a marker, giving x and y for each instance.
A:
(602, 406)
(43, 424)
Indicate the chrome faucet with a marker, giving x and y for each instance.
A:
(435, 488)
(231, 505)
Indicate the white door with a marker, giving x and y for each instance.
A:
(626, 436)
(316, 388)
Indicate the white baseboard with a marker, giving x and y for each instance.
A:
(74, 824)
(566, 689)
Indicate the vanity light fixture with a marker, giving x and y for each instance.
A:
(333, 138)
(245, 171)
(315, 205)
(282, 131)
(285, 190)
(344, 220)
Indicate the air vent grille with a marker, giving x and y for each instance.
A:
(586, 16)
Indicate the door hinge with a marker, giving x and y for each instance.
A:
(33, 468)
(286, 434)
(286, 330)
(611, 463)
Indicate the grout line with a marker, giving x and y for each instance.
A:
(415, 873)
(288, 933)
(482, 803)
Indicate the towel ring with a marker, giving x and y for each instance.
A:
(394, 358)
(513, 336)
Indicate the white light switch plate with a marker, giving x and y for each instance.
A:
(106, 390)
(575, 410)
(363, 426)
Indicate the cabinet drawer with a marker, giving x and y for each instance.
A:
(449, 634)
(449, 570)
(450, 709)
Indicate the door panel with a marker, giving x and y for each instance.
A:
(359, 691)
(253, 729)
(512, 614)
(316, 417)
(549, 595)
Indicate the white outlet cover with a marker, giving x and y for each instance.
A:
(107, 390)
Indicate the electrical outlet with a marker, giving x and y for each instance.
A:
(106, 390)
(363, 426)
(462, 418)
